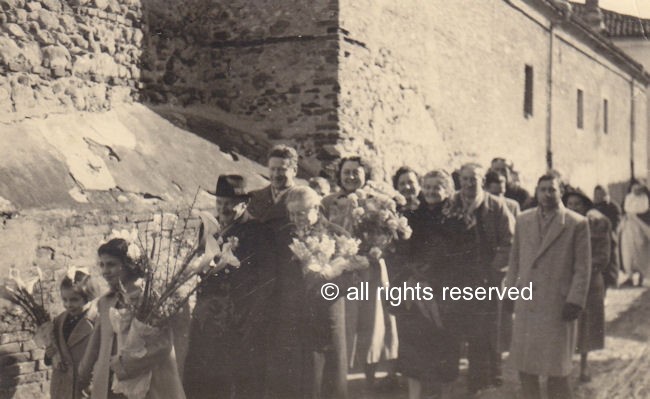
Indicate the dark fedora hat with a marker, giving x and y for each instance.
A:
(578, 193)
(231, 186)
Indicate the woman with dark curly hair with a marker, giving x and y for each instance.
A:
(371, 333)
(101, 362)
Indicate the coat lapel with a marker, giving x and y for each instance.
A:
(554, 231)
(83, 329)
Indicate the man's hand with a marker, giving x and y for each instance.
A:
(571, 311)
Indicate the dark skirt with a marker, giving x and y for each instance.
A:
(591, 325)
(307, 354)
(426, 352)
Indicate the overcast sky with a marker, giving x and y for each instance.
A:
(640, 8)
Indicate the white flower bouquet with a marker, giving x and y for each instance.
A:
(375, 212)
(327, 256)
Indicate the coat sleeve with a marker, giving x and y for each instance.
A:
(90, 357)
(581, 265)
(505, 225)
(512, 275)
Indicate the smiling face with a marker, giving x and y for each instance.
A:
(353, 176)
(113, 270)
(408, 186)
(434, 190)
(282, 173)
(73, 302)
(228, 209)
(471, 180)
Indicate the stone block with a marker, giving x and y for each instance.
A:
(9, 50)
(52, 5)
(29, 391)
(28, 345)
(37, 354)
(48, 20)
(100, 4)
(44, 37)
(15, 30)
(20, 368)
(56, 57)
(21, 16)
(12, 4)
(33, 6)
(68, 22)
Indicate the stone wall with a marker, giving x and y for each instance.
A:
(268, 68)
(63, 55)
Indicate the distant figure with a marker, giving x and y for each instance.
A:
(551, 252)
(635, 233)
(320, 185)
(604, 272)
(495, 184)
(513, 189)
(604, 204)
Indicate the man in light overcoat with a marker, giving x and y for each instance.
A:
(551, 251)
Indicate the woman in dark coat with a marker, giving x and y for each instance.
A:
(427, 351)
(308, 346)
(591, 324)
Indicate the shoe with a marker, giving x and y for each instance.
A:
(389, 383)
(584, 378)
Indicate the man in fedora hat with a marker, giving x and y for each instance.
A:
(268, 204)
(226, 354)
(604, 273)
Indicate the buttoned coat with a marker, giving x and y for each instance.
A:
(64, 384)
(558, 265)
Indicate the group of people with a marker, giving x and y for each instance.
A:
(265, 331)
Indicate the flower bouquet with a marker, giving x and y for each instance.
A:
(29, 296)
(375, 217)
(327, 256)
(170, 257)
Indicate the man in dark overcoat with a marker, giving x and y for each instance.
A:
(227, 346)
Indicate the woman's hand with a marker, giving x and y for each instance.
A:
(118, 368)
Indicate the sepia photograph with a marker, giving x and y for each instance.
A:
(324, 199)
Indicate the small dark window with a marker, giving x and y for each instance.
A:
(580, 110)
(528, 92)
(605, 116)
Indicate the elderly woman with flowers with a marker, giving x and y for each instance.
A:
(369, 212)
(308, 350)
